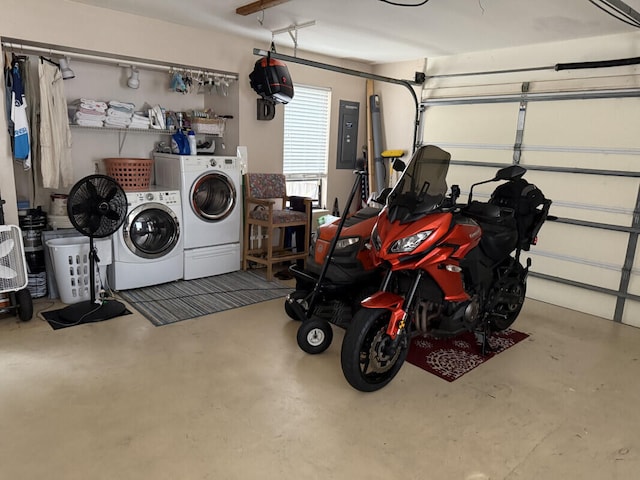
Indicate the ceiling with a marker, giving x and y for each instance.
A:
(376, 32)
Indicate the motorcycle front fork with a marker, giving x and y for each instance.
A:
(398, 324)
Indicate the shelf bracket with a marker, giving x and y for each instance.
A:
(122, 137)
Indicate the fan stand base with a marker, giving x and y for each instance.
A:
(86, 312)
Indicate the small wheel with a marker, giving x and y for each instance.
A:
(24, 305)
(314, 336)
(296, 305)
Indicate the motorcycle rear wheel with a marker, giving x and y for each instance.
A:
(365, 363)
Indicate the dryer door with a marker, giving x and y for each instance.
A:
(151, 230)
(213, 196)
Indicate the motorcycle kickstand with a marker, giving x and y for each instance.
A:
(483, 339)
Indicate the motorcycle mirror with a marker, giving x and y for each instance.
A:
(509, 173)
(399, 165)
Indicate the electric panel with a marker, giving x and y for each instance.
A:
(348, 135)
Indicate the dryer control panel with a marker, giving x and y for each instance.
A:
(200, 164)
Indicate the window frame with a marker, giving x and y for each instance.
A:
(322, 98)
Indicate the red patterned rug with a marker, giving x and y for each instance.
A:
(450, 358)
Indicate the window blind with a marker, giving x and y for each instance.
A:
(306, 132)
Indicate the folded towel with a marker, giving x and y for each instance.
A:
(124, 106)
(90, 111)
(141, 117)
(91, 107)
(89, 123)
(89, 102)
(117, 121)
(116, 113)
(89, 117)
(139, 121)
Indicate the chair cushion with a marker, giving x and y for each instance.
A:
(279, 216)
(266, 185)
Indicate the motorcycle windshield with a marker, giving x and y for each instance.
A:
(423, 184)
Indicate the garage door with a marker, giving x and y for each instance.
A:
(581, 149)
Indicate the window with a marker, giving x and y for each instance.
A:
(306, 142)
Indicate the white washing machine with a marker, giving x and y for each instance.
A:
(148, 248)
(211, 193)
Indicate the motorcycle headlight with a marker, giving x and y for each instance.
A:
(343, 243)
(410, 243)
(375, 239)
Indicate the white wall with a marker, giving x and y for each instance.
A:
(78, 26)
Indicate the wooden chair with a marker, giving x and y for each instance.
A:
(265, 206)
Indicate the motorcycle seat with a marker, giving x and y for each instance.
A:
(489, 213)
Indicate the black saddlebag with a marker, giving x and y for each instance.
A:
(529, 205)
(499, 230)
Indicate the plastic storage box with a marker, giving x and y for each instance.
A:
(70, 259)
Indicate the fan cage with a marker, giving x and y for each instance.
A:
(87, 220)
(13, 260)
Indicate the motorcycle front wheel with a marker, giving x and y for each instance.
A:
(368, 360)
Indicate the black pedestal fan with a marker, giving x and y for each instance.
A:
(97, 207)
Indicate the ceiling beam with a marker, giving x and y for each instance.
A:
(258, 6)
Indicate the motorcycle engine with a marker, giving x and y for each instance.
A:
(444, 318)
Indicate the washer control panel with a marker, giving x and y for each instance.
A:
(166, 197)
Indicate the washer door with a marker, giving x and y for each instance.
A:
(213, 196)
(151, 230)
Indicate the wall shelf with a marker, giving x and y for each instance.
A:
(122, 132)
(153, 131)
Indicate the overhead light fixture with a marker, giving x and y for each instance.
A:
(134, 81)
(255, 7)
(67, 73)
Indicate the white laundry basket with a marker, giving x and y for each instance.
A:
(71, 266)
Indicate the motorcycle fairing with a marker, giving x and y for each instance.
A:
(438, 223)
(386, 300)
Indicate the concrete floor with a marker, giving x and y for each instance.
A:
(230, 396)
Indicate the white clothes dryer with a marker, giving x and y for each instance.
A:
(148, 248)
(211, 193)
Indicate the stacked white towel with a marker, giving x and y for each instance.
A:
(91, 104)
(117, 121)
(122, 106)
(139, 120)
(89, 119)
(119, 114)
(88, 112)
